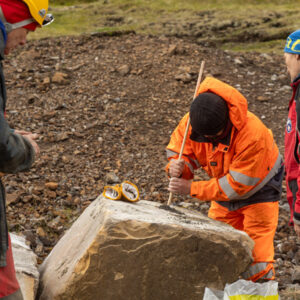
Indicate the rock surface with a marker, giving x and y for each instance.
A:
(26, 267)
(119, 250)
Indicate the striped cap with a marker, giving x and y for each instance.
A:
(293, 43)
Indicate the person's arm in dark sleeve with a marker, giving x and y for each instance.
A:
(16, 152)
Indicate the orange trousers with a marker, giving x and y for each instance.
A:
(259, 221)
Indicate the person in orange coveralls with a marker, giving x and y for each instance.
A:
(18, 148)
(239, 154)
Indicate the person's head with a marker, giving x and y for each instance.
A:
(209, 116)
(21, 16)
(292, 54)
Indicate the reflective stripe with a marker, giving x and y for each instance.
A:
(9, 27)
(255, 269)
(190, 167)
(14, 296)
(227, 189)
(232, 195)
(195, 161)
(244, 179)
(270, 175)
(269, 275)
(22, 23)
(171, 153)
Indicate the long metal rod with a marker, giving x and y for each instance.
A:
(189, 121)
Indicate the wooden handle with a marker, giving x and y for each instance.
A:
(189, 121)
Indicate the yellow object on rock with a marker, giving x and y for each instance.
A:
(112, 192)
(130, 191)
(125, 191)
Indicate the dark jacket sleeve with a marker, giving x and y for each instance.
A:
(16, 152)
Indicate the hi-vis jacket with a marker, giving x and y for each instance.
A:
(239, 166)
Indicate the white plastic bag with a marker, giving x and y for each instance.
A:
(245, 290)
(211, 294)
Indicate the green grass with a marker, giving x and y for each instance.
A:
(73, 17)
(272, 46)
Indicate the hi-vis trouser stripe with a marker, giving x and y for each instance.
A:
(14, 296)
(173, 153)
(247, 180)
(255, 269)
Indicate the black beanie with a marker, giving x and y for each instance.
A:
(208, 114)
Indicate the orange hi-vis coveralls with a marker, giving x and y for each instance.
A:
(245, 171)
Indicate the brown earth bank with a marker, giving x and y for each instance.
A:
(105, 106)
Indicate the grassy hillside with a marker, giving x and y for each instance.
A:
(260, 25)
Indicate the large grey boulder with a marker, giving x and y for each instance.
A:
(119, 250)
(26, 266)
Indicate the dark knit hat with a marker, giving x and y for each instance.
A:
(208, 115)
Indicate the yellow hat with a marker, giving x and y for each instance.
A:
(38, 10)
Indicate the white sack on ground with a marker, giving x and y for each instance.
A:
(26, 266)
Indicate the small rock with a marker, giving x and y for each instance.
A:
(62, 137)
(296, 275)
(65, 159)
(274, 77)
(30, 237)
(204, 206)
(51, 185)
(297, 257)
(285, 207)
(186, 204)
(27, 198)
(124, 70)
(77, 201)
(172, 50)
(49, 115)
(39, 248)
(262, 98)
(12, 198)
(184, 77)
(282, 77)
(38, 190)
(46, 80)
(31, 98)
(112, 178)
(41, 232)
(59, 78)
(279, 262)
(54, 223)
(285, 88)
(51, 194)
(267, 56)
(290, 254)
(238, 61)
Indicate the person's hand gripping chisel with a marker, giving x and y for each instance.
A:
(177, 184)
